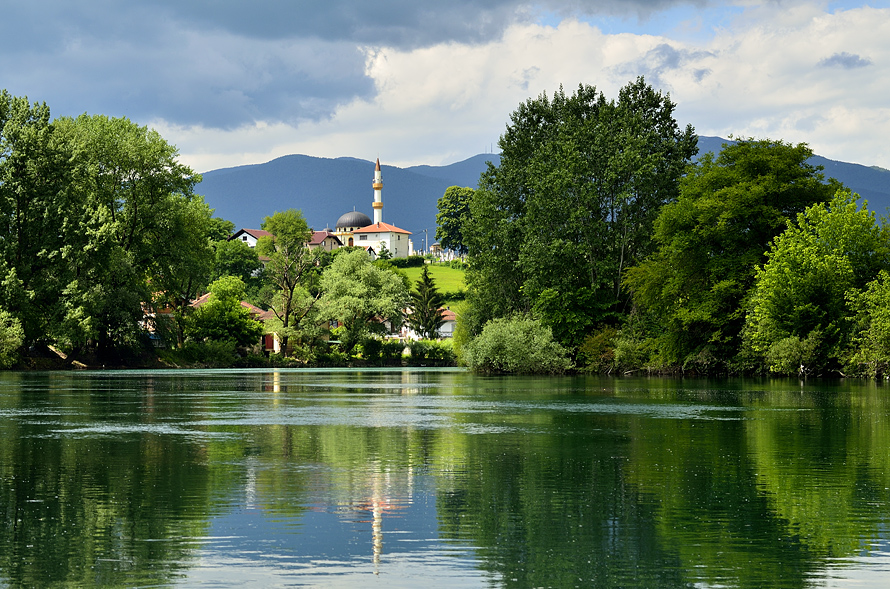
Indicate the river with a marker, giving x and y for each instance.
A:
(418, 478)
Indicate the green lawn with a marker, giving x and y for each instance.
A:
(448, 280)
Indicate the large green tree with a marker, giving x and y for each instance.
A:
(360, 295)
(798, 312)
(292, 268)
(40, 215)
(143, 236)
(571, 205)
(454, 212)
(709, 242)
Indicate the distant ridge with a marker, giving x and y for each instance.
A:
(871, 183)
(325, 188)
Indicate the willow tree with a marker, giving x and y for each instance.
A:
(570, 206)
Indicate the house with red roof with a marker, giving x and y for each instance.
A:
(249, 236)
(325, 240)
(383, 234)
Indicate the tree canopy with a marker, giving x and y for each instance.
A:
(453, 215)
(710, 241)
(100, 225)
(291, 266)
(832, 249)
(571, 205)
(360, 295)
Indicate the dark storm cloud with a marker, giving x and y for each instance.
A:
(845, 60)
(395, 23)
(222, 63)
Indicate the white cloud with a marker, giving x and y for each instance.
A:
(759, 76)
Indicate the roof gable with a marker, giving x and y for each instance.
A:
(255, 233)
(318, 237)
(381, 228)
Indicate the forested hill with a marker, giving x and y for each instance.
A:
(871, 183)
(326, 188)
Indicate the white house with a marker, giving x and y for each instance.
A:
(249, 236)
(380, 234)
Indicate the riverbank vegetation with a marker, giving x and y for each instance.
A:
(109, 258)
(599, 226)
(599, 243)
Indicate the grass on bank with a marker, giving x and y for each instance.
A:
(449, 281)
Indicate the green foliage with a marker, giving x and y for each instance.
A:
(711, 240)
(454, 212)
(870, 308)
(516, 345)
(414, 261)
(383, 252)
(426, 316)
(597, 351)
(431, 353)
(40, 215)
(294, 269)
(360, 295)
(106, 226)
(223, 318)
(210, 353)
(794, 355)
(381, 352)
(220, 229)
(571, 205)
(832, 250)
(236, 258)
(12, 336)
(147, 232)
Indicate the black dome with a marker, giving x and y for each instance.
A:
(353, 219)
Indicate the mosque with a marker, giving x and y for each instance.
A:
(356, 228)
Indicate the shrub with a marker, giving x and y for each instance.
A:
(793, 355)
(210, 353)
(11, 338)
(458, 264)
(409, 262)
(392, 351)
(597, 351)
(516, 345)
(427, 352)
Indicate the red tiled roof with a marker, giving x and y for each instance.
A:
(318, 237)
(255, 233)
(381, 228)
(255, 311)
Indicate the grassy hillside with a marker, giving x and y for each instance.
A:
(449, 281)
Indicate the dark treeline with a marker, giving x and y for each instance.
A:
(600, 238)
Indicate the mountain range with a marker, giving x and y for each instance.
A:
(324, 188)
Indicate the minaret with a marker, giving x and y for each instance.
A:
(378, 194)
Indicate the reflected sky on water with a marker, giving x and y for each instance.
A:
(407, 478)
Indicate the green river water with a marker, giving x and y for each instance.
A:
(440, 478)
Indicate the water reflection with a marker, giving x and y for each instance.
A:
(410, 478)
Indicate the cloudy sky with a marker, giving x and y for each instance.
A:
(416, 82)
